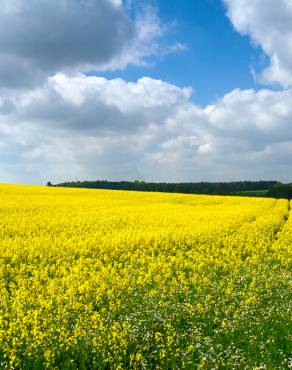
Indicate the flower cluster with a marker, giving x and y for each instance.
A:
(104, 279)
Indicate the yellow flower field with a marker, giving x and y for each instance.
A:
(100, 279)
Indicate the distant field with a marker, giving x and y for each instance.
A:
(101, 279)
(257, 193)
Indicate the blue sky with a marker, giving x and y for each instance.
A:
(156, 90)
(217, 58)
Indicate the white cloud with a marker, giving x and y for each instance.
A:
(146, 43)
(91, 127)
(39, 38)
(269, 24)
(126, 96)
(62, 125)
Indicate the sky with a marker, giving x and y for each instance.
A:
(153, 90)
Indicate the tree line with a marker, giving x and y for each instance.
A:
(248, 188)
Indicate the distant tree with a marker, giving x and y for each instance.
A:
(222, 189)
(280, 190)
(219, 188)
(49, 183)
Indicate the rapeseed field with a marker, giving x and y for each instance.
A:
(97, 279)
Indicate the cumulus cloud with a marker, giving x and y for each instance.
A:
(91, 127)
(268, 23)
(39, 38)
(57, 123)
(148, 31)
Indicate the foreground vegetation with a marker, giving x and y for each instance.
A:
(127, 280)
